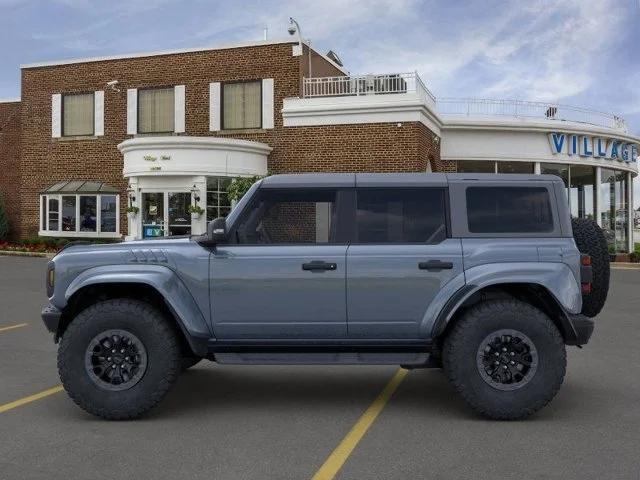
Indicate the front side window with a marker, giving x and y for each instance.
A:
(156, 110)
(78, 114)
(509, 210)
(298, 217)
(401, 215)
(242, 105)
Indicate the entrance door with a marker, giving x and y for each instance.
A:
(165, 214)
(400, 259)
(284, 275)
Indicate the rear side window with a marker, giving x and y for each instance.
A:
(401, 215)
(509, 210)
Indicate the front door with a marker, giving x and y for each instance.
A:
(399, 260)
(165, 214)
(283, 276)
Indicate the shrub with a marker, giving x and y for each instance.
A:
(239, 186)
(4, 221)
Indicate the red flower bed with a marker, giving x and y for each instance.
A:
(27, 247)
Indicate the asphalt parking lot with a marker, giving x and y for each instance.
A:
(226, 422)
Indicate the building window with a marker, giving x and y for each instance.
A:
(515, 167)
(242, 105)
(476, 166)
(78, 215)
(156, 110)
(78, 114)
(218, 204)
(615, 208)
(580, 182)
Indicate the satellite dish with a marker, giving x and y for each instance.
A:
(334, 56)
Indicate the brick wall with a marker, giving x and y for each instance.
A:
(10, 161)
(339, 148)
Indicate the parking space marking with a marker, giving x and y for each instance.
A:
(339, 456)
(11, 327)
(31, 398)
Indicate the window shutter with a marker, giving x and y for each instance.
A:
(267, 103)
(214, 106)
(98, 112)
(132, 111)
(178, 97)
(56, 115)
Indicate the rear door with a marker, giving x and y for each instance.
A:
(400, 258)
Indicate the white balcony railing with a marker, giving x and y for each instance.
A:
(391, 83)
(520, 108)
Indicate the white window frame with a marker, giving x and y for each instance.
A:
(44, 222)
(57, 118)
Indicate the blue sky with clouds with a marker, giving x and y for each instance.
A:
(583, 52)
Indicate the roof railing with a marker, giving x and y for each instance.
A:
(374, 84)
(526, 109)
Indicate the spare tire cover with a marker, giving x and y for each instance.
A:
(590, 239)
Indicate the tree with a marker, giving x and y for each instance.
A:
(239, 186)
(4, 221)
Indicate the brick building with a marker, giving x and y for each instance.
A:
(162, 131)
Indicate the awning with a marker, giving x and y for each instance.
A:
(80, 186)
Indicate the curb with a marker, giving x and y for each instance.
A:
(12, 253)
(625, 266)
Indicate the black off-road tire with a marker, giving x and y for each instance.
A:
(461, 351)
(189, 361)
(590, 239)
(159, 339)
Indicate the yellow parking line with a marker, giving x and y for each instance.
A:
(29, 399)
(11, 327)
(336, 460)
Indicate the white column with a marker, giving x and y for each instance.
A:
(598, 196)
(134, 222)
(199, 225)
(536, 168)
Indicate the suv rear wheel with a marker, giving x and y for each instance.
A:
(506, 358)
(118, 358)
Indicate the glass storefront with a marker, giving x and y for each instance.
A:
(515, 167)
(580, 181)
(614, 213)
(476, 166)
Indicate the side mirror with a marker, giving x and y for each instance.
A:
(217, 231)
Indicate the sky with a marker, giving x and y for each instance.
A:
(576, 52)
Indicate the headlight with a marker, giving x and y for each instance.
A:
(51, 278)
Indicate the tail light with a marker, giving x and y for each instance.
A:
(586, 274)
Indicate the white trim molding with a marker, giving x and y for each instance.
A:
(132, 111)
(214, 106)
(98, 112)
(183, 155)
(179, 108)
(56, 115)
(384, 108)
(268, 100)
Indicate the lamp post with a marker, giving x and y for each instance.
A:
(294, 27)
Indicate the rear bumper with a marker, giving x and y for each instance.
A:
(51, 318)
(583, 328)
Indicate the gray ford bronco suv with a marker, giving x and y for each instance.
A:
(483, 276)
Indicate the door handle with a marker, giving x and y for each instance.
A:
(435, 265)
(319, 266)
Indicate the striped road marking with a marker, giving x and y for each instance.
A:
(31, 398)
(339, 456)
(11, 327)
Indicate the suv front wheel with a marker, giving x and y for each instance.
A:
(506, 358)
(118, 358)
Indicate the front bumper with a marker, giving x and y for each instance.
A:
(51, 318)
(583, 328)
